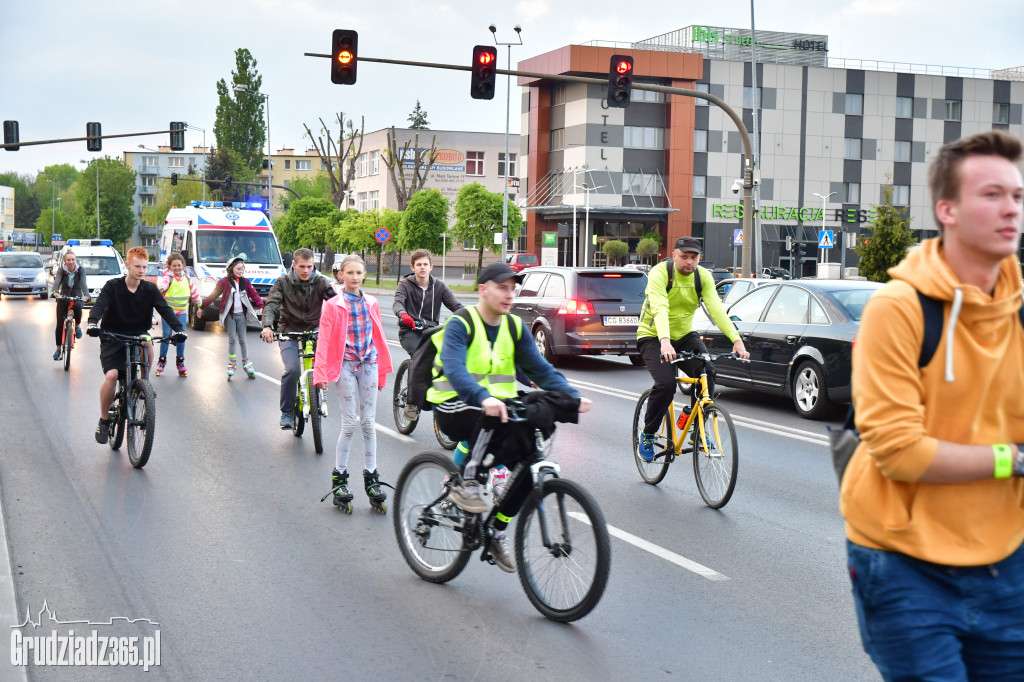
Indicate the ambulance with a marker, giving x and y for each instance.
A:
(209, 234)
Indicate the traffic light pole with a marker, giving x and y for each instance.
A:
(749, 264)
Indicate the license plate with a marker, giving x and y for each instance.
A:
(621, 320)
(20, 287)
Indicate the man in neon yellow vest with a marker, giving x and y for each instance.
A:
(474, 377)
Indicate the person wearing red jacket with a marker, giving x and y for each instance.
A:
(352, 351)
(238, 300)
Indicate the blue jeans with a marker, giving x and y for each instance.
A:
(167, 331)
(925, 621)
(292, 371)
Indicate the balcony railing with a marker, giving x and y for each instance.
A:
(149, 230)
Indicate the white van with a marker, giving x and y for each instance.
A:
(99, 260)
(209, 234)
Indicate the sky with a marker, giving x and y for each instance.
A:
(136, 66)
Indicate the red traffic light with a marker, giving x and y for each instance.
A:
(486, 58)
(624, 66)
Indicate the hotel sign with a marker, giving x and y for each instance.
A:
(709, 34)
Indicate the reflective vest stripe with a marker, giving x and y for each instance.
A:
(493, 367)
(178, 294)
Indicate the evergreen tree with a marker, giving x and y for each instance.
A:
(418, 118)
(890, 238)
(239, 126)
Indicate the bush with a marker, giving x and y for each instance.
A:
(614, 250)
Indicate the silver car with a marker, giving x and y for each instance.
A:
(23, 273)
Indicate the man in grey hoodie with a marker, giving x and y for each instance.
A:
(418, 298)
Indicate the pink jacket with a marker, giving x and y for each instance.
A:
(330, 347)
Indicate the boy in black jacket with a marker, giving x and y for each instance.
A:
(418, 298)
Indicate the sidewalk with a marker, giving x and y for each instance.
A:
(461, 296)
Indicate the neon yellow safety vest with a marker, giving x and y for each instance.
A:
(493, 367)
(178, 293)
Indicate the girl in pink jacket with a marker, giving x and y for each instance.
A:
(352, 351)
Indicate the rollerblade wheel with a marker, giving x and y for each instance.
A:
(381, 508)
(344, 506)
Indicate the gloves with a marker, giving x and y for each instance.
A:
(93, 330)
(178, 337)
(407, 320)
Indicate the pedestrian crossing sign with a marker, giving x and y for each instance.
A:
(825, 240)
(737, 237)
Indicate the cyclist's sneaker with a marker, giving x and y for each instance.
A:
(78, 332)
(466, 495)
(708, 435)
(182, 370)
(161, 363)
(502, 558)
(57, 353)
(249, 370)
(103, 431)
(646, 446)
(412, 413)
(286, 420)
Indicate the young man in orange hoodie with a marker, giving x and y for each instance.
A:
(933, 497)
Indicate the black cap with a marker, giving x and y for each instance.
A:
(685, 244)
(496, 272)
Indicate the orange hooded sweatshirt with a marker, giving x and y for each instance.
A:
(972, 392)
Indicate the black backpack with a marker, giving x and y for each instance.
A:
(843, 442)
(421, 363)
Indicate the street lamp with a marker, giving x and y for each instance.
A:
(202, 171)
(508, 97)
(97, 195)
(242, 87)
(824, 199)
(586, 221)
(52, 195)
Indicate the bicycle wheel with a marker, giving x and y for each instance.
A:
(298, 423)
(442, 437)
(142, 422)
(716, 457)
(652, 472)
(566, 580)
(69, 340)
(429, 532)
(117, 421)
(402, 424)
(315, 417)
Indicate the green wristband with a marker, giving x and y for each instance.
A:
(1004, 461)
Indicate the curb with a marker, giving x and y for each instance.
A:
(8, 599)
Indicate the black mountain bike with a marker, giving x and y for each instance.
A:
(406, 423)
(310, 401)
(562, 547)
(134, 407)
(67, 342)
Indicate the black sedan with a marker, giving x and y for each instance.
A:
(800, 337)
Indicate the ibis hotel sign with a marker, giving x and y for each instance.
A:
(734, 44)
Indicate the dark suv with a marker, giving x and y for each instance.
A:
(581, 311)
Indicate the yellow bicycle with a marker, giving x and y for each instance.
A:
(712, 443)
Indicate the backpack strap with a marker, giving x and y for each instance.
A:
(669, 269)
(933, 311)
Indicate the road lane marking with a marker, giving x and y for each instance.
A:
(657, 551)
(272, 380)
(395, 434)
(205, 350)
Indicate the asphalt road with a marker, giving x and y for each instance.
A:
(222, 541)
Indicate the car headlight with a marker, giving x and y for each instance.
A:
(41, 277)
(2, 278)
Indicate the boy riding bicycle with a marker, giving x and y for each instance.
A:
(666, 327)
(418, 298)
(470, 380)
(126, 306)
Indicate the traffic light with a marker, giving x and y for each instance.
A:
(174, 178)
(177, 136)
(11, 135)
(93, 130)
(485, 59)
(344, 46)
(620, 81)
(227, 182)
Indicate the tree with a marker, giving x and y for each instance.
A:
(397, 160)
(239, 124)
(339, 156)
(26, 206)
(117, 194)
(52, 222)
(315, 218)
(890, 238)
(614, 250)
(418, 118)
(317, 187)
(357, 231)
(646, 248)
(222, 162)
(63, 176)
(424, 219)
(478, 217)
(168, 195)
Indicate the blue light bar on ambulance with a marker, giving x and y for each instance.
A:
(90, 242)
(227, 204)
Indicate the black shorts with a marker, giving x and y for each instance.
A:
(112, 356)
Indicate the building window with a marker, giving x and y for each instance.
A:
(643, 184)
(557, 139)
(152, 161)
(702, 87)
(700, 140)
(851, 190)
(148, 181)
(952, 110)
(374, 162)
(747, 104)
(904, 107)
(148, 200)
(902, 150)
(511, 165)
(700, 186)
(643, 138)
(474, 163)
(901, 195)
(362, 165)
(176, 161)
(854, 104)
(287, 164)
(851, 148)
(645, 95)
(303, 165)
(361, 201)
(1000, 113)
(557, 95)
(373, 200)
(469, 244)
(191, 161)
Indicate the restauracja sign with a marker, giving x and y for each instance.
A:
(803, 213)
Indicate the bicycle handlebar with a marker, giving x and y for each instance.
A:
(144, 338)
(684, 355)
(297, 336)
(60, 297)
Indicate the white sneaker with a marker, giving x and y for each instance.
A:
(498, 481)
(466, 495)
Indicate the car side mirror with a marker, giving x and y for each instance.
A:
(287, 259)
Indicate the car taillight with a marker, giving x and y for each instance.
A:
(610, 275)
(574, 307)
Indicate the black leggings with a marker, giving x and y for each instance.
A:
(62, 312)
(664, 375)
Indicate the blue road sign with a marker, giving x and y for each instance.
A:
(825, 240)
(737, 237)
